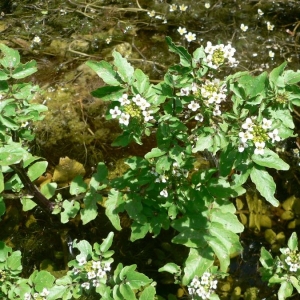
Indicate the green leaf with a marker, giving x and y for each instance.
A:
(148, 293)
(271, 160)
(1, 183)
(125, 69)
(155, 152)
(228, 220)
(126, 291)
(27, 204)
(293, 242)
(139, 231)
(264, 184)
(25, 70)
(266, 258)
(11, 57)
(170, 268)
(275, 76)
(220, 251)
(43, 280)
(49, 189)
(108, 93)
(57, 292)
(3, 75)
(71, 209)
(253, 85)
(4, 251)
(105, 71)
(14, 261)
(136, 280)
(99, 177)
(90, 210)
(197, 262)
(113, 206)
(203, 142)
(185, 57)
(9, 123)
(37, 169)
(291, 77)
(295, 283)
(78, 186)
(141, 83)
(285, 290)
(106, 244)
(84, 247)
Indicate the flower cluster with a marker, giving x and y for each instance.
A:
(258, 134)
(38, 296)
(94, 271)
(213, 92)
(203, 287)
(219, 54)
(292, 259)
(182, 7)
(137, 107)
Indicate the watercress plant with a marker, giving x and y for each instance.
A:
(211, 134)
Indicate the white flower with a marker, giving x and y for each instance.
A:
(124, 100)
(185, 91)
(91, 274)
(207, 5)
(248, 124)
(182, 30)
(259, 148)
(271, 54)
(45, 292)
(173, 7)
(37, 39)
(213, 284)
(144, 104)
(101, 273)
(190, 37)
(164, 193)
(241, 147)
(138, 99)
(124, 119)
(81, 261)
(96, 264)
(260, 12)
(270, 26)
(182, 7)
(96, 283)
(85, 285)
(27, 296)
(108, 40)
(245, 136)
(115, 112)
(107, 267)
(193, 106)
(199, 117)
(293, 268)
(274, 135)
(151, 13)
(147, 115)
(217, 111)
(244, 27)
(266, 124)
